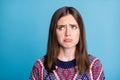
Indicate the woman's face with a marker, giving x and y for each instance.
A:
(67, 31)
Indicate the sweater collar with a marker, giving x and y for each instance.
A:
(66, 64)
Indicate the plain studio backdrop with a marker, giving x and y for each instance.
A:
(24, 26)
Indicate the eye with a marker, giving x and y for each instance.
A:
(74, 27)
(61, 27)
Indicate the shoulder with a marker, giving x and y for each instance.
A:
(39, 62)
(96, 69)
(92, 58)
(95, 64)
(94, 61)
(38, 69)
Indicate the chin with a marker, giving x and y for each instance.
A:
(68, 47)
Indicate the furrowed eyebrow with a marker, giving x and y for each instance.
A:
(69, 24)
(60, 25)
(74, 25)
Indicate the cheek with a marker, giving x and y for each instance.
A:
(77, 36)
(59, 37)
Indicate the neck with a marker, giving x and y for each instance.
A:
(67, 54)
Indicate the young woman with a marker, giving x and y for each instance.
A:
(67, 57)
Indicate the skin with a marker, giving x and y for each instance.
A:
(68, 33)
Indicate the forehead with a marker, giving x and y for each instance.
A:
(67, 19)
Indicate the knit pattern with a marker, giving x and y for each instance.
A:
(67, 71)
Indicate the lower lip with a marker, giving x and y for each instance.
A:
(68, 40)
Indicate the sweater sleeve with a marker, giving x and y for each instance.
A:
(96, 70)
(37, 71)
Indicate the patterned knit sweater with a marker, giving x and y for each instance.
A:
(67, 71)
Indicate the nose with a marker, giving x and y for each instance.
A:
(67, 31)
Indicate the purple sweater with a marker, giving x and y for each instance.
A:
(67, 71)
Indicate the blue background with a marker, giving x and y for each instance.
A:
(24, 28)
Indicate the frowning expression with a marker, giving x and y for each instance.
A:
(67, 31)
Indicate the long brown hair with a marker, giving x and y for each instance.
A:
(81, 56)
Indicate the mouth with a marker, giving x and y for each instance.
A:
(67, 40)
